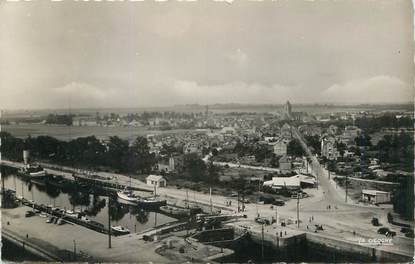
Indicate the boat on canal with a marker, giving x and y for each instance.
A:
(178, 211)
(152, 202)
(128, 195)
(120, 230)
(32, 171)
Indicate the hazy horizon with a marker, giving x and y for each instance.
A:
(217, 106)
(76, 54)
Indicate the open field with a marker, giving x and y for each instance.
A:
(67, 133)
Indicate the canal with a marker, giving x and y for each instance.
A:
(95, 205)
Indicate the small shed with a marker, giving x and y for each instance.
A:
(375, 196)
(156, 180)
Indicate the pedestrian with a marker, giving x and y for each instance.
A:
(27, 235)
(230, 203)
(354, 233)
(280, 233)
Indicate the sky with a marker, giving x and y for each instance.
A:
(93, 54)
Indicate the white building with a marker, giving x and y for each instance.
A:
(280, 148)
(375, 196)
(329, 149)
(228, 130)
(156, 180)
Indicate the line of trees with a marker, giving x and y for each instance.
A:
(59, 119)
(371, 124)
(397, 149)
(86, 152)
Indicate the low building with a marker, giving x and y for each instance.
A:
(375, 196)
(289, 183)
(156, 180)
(285, 164)
(166, 166)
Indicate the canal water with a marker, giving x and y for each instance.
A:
(96, 206)
(11, 252)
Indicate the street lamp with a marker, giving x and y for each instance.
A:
(74, 249)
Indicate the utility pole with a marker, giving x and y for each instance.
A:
(210, 198)
(74, 250)
(276, 215)
(298, 209)
(238, 203)
(15, 185)
(262, 242)
(346, 189)
(109, 222)
(2, 188)
(33, 198)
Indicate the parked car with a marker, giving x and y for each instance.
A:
(390, 234)
(244, 200)
(262, 220)
(375, 221)
(234, 194)
(383, 230)
(278, 203)
(29, 213)
(266, 200)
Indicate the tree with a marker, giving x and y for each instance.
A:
(116, 154)
(363, 141)
(294, 148)
(274, 162)
(262, 152)
(11, 147)
(194, 167)
(341, 147)
(314, 142)
(139, 157)
(212, 173)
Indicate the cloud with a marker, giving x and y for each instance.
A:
(79, 94)
(232, 92)
(377, 89)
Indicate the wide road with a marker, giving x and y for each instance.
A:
(333, 196)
